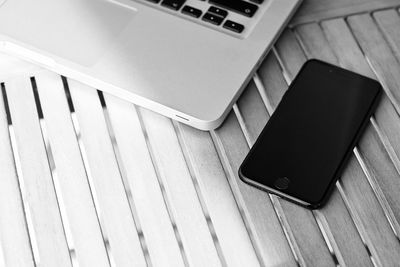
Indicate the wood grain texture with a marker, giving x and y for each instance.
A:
(271, 80)
(389, 22)
(381, 167)
(378, 53)
(340, 229)
(161, 193)
(315, 42)
(298, 221)
(386, 117)
(72, 182)
(39, 192)
(349, 56)
(289, 54)
(317, 10)
(14, 237)
(115, 214)
(369, 215)
(256, 204)
(236, 249)
(183, 199)
(253, 117)
(143, 183)
(386, 69)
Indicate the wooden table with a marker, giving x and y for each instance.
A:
(91, 180)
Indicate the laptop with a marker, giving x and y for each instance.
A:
(185, 59)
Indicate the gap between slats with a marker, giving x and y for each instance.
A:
(382, 136)
(368, 173)
(329, 237)
(383, 139)
(61, 204)
(324, 229)
(280, 213)
(247, 138)
(199, 194)
(163, 190)
(75, 122)
(349, 206)
(274, 199)
(27, 223)
(318, 20)
(31, 228)
(372, 120)
(180, 189)
(124, 178)
(268, 104)
(70, 238)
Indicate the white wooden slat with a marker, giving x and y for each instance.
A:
(14, 238)
(317, 10)
(252, 117)
(382, 171)
(375, 152)
(2, 263)
(345, 233)
(366, 210)
(389, 22)
(256, 204)
(346, 49)
(115, 214)
(270, 77)
(230, 230)
(388, 120)
(252, 111)
(378, 53)
(290, 54)
(334, 219)
(83, 222)
(146, 192)
(182, 197)
(40, 193)
(351, 57)
(369, 215)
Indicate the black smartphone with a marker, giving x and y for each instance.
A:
(306, 143)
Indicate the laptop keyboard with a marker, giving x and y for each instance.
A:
(228, 15)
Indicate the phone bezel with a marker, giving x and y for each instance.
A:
(313, 205)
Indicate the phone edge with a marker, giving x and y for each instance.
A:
(341, 166)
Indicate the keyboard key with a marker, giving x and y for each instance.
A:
(154, 1)
(191, 11)
(218, 11)
(173, 4)
(257, 1)
(233, 26)
(245, 8)
(214, 19)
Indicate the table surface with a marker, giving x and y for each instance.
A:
(88, 179)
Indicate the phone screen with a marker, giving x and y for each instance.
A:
(303, 147)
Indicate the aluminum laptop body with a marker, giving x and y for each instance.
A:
(157, 56)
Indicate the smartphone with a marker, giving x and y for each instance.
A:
(306, 143)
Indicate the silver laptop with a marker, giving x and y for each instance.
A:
(188, 60)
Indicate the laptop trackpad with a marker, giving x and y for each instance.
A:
(77, 30)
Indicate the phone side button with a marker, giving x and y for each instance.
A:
(282, 183)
